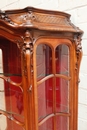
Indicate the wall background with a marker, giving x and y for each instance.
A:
(77, 9)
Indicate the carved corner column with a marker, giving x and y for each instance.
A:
(78, 49)
(78, 53)
(27, 78)
(78, 57)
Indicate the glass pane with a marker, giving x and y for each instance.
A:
(43, 61)
(62, 123)
(13, 99)
(16, 127)
(62, 95)
(45, 98)
(11, 64)
(6, 124)
(11, 95)
(47, 125)
(62, 60)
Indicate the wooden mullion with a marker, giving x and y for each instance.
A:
(54, 87)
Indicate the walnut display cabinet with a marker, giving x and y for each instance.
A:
(40, 54)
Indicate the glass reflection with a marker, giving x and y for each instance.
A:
(62, 60)
(13, 126)
(47, 125)
(43, 61)
(62, 95)
(46, 89)
(45, 99)
(11, 95)
(62, 123)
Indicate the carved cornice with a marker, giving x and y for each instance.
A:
(35, 18)
(39, 19)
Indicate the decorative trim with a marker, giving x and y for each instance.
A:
(78, 46)
(78, 54)
(4, 16)
(51, 19)
(39, 19)
(34, 18)
(7, 79)
(28, 17)
(27, 48)
(27, 42)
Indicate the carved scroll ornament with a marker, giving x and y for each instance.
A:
(4, 16)
(78, 47)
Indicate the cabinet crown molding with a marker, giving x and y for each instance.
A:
(38, 19)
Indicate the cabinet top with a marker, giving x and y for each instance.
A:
(30, 17)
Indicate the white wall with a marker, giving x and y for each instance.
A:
(78, 11)
(13, 4)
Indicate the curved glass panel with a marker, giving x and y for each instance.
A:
(13, 99)
(62, 59)
(53, 92)
(62, 95)
(62, 123)
(11, 95)
(11, 59)
(43, 61)
(6, 124)
(45, 99)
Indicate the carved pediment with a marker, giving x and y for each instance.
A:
(39, 19)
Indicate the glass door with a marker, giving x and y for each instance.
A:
(11, 93)
(53, 85)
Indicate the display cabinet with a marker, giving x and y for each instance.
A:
(40, 54)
